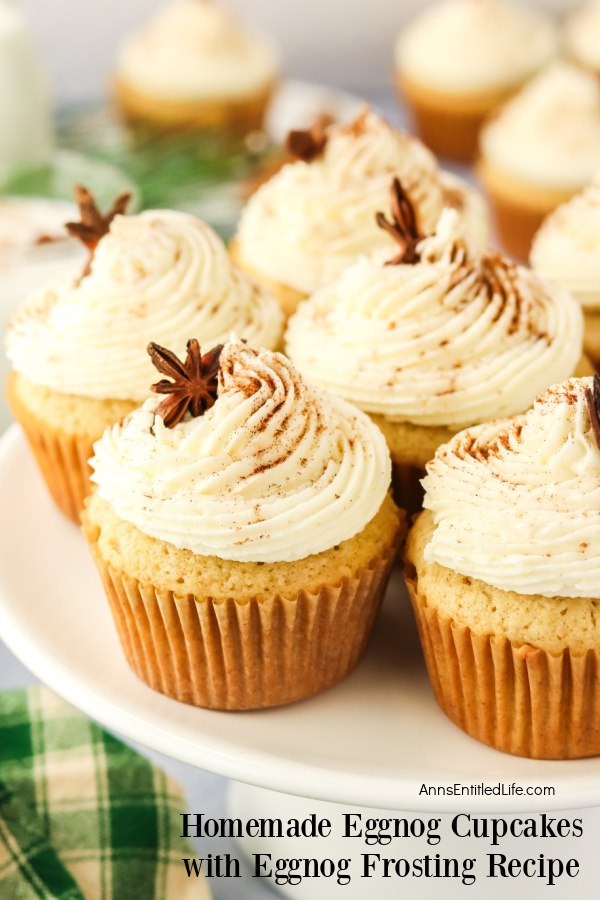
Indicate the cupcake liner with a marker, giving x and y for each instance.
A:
(233, 655)
(61, 457)
(236, 115)
(448, 132)
(449, 123)
(518, 208)
(519, 699)
(516, 225)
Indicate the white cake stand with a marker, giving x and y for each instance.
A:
(372, 742)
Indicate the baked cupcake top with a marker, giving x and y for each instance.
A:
(516, 503)
(473, 46)
(158, 274)
(445, 336)
(195, 48)
(275, 470)
(566, 249)
(549, 134)
(316, 217)
(582, 35)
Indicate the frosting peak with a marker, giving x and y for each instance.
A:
(313, 219)
(161, 275)
(276, 470)
(516, 503)
(453, 339)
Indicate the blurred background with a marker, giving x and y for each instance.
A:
(78, 39)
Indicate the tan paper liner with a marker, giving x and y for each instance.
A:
(234, 655)
(452, 134)
(519, 699)
(63, 461)
(233, 115)
(449, 123)
(516, 225)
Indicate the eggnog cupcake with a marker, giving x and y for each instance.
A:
(313, 219)
(460, 59)
(194, 68)
(503, 569)
(243, 530)
(582, 36)
(566, 251)
(437, 338)
(542, 147)
(77, 346)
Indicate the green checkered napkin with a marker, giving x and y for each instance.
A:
(82, 816)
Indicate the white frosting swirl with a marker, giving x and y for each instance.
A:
(195, 48)
(275, 471)
(517, 503)
(582, 35)
(311, 220)
(453, 339)
(472, 46)
(566, 249)
(160, 276)
(549, 134)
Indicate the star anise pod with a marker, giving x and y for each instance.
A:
(592, 395)
(93, 225)
(194, 384)
(403, 228)
(309, 143)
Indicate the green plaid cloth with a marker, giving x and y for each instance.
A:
(82, 816)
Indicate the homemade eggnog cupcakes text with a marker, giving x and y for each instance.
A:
(566, 251)
(194, 67)
(77, 347)
(435, 339)
(539, 149)
(243, 530)
(503, 569)
(304, 226)
(460, 59)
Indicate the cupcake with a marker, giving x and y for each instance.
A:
(566, 251)
(314, 218)
(77, 345)
(582, 37)
(434, 339)
(243, 530)
(542, 147)
(461, 58)
(503, 569)
(195, 68)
